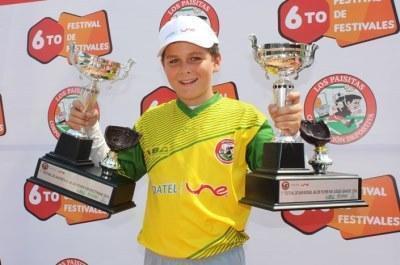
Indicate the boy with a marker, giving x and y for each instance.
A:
(196, 151)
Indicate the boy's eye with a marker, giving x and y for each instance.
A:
(173, 61)
(195, 58)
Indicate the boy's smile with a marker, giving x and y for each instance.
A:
(189, 69)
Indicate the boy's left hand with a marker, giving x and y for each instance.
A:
(288, 118)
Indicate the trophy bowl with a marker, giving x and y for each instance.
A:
(95, 67)
(283, 61)
(316, 133)
(118, 139)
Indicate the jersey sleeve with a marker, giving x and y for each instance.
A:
(255, 149)
(132, 162)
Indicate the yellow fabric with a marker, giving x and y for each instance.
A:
(192, 206)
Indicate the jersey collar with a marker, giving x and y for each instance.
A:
(193, 112)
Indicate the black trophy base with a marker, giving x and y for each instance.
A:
(302, 190)
(282, 156)
(73, 150)
(85, 184)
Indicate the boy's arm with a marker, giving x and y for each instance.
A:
(99, 146)
(255, 149)
(132, 162)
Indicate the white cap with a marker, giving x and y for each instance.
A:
(187, 28)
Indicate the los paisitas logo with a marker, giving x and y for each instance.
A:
(345, 103)
(198, 8)
(59, 110)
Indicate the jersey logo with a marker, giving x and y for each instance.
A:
(217, 191)
(161, 150)
(224, 151)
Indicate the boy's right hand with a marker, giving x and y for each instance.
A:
(81, 118)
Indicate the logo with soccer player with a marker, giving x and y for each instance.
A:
(201, 9)
(345, 103)
(59, 110)
(71, 261)
(224, 151)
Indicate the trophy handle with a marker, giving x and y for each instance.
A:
(123, 71)
(72, 54)
(310, 59)
(253, 39)
(72, 58)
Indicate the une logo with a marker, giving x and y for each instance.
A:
(218, 191)
(285, 185)
(45, 166)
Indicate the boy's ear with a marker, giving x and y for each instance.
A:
(217, 62)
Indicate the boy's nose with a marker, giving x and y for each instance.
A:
(185, 69)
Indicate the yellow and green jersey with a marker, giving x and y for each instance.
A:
(196, 161)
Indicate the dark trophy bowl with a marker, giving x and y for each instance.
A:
(315, 133)
(120, 138)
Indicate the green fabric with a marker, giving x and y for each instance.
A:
(255, 149)
(132, 162)
(193, 112)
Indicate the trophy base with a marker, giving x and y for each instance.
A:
(302, 189)
(302, 206)
(73, 150)
(85, 184)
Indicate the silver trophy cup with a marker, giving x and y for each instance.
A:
(283, 61)
(97, 70)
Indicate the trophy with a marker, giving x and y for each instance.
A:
(283, 182)
(68, 170)
(75, 146)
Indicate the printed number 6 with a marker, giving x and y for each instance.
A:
(293, 20)
(35, 197)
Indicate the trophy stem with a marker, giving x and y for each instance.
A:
(109, 165)
(88, 98)
(320, 160)
(88, 95)
(281, 89)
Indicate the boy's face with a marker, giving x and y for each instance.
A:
(189, 69)
(353, 105)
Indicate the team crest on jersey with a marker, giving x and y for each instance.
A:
(224, 151)
(345, 103)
